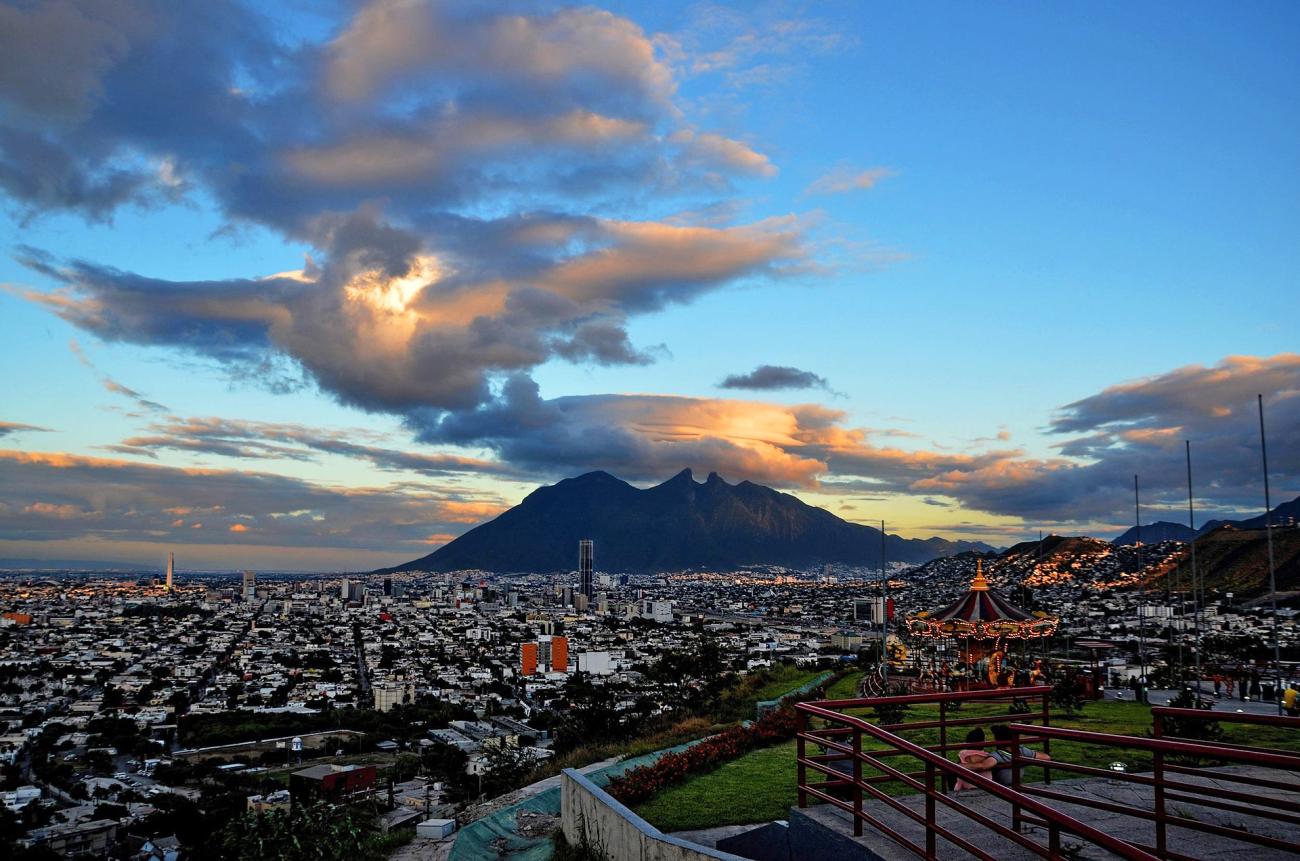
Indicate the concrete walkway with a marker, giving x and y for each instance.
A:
(1196, 844)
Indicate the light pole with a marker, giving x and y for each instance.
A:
(1272, 575)
(1196, 598)
(1142, 592)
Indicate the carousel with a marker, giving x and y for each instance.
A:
(983, 624)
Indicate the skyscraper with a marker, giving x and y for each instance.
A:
(586, 556)
(171, 566)
(250, 585)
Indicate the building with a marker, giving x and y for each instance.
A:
(559, 654)
(93, 838)
(586, 559)
(870, 610)
(580, 603)
(595, 663)
(171, 567)
(659, 611)
(250, 586)
(388, 587)
(389, 694)
(337, 784)
(527, 659)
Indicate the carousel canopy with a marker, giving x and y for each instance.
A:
(982, 614)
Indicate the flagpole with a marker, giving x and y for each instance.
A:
(1196, 600)
(1272, 576)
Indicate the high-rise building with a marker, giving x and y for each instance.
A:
(250, 586)
(171, 566)
(388, 586)
(586, 559)
(343, 590)
(580, 603)
(559, 654)
(527, 659)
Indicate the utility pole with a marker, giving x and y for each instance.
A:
(1272, 575)
(1196, 600)
(884, 610)
(1142, 591)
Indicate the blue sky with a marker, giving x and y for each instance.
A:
(1029, 250)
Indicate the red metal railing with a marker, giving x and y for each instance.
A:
(1165, 790)
(844, 786)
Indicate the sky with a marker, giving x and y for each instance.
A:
(324, 286)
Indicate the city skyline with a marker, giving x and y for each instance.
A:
(338, 285)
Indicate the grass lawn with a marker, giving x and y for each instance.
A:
(760, 786)
(785, 678)
(846, 688)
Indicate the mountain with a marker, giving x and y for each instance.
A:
(676, 525)
(1162, 530)
(1285, 514)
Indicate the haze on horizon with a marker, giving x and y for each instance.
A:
(322, 288)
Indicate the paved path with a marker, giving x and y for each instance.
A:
(1195, 844)
(1221, 704)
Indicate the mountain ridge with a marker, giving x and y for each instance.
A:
(1164, 530)
(676, 525)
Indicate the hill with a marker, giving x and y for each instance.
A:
(673, 526)
(1236, 560)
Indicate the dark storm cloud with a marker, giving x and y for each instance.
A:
(767, 377)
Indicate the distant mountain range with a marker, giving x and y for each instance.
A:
(1164, 530)
(678, 525)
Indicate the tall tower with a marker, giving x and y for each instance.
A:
(250, 585)
(171, 566)
(586, 556)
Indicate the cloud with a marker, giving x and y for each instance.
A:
(252, 440)
(58, 497)
(647, 437)
(8, 428)
(844, 179)
(1140, 428)
(766, 377)
(386, 325)
(715, 151)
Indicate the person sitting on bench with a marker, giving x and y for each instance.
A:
(975, 757)
(1002, 737)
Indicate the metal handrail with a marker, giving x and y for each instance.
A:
(1163, 745)
(990, 695)
(1210, 714)
(1054, 818)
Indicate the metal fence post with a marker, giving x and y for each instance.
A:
(857, 782)
(930, 847)
(1157, 730)
(1047, 742)
(1016, 823)
(800, 768)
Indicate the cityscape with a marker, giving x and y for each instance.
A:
(708, 430)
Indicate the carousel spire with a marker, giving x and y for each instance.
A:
(979, 584)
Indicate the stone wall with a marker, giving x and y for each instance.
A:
(590, 814)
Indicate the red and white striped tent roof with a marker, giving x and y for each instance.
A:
(982, 604)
